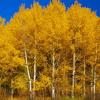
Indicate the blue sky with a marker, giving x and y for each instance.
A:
(9, 7)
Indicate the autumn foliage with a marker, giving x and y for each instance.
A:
(51, 51)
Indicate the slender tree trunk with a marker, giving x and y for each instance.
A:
(92, 81)
(28, 72)
(35, 64)
(12, 89)
(34, 76)
(73, 76)
(44, 94)
(12, 93)
(84, 87)
(53, 75)
(94, 75)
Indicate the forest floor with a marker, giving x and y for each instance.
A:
(40, 98)
(3, 97)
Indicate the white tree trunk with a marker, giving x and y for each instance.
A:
(94, 78)
(34, 75)
(84, 89)
(73, 76)
(92, 81)
(53, 75)
(12, 94)
(28, 72)
(35, 65)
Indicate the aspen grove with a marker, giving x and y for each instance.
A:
(50, 52)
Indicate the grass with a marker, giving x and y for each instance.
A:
(38, 98)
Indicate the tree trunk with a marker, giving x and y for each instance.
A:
(73, 76)
(94, 74)
(34, 76)
(53, 75)
(12, 89)
(28, 72)
(84, 87)
(35, 64)
(12, 93)
(92, 81)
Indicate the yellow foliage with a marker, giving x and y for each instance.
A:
(49, 35)
(43, 83)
